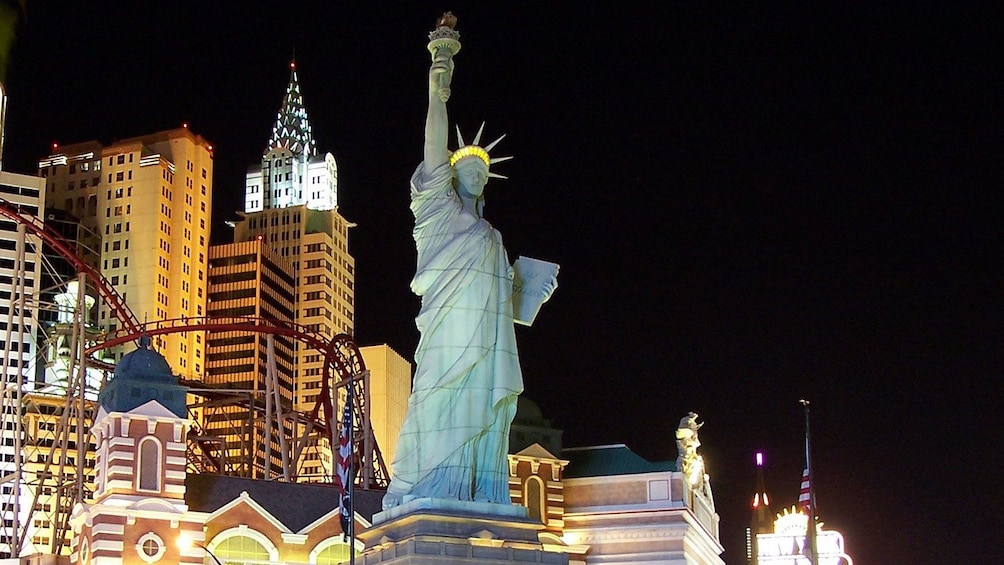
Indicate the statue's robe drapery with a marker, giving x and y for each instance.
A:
(454, 440)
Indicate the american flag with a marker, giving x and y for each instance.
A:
(345, 466)
(803, 492)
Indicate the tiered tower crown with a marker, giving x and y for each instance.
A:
(292, 127)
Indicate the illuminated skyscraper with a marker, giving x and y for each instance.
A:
(291, 207)
(150, 199)
(291, 202)
(20, 277)
(248, 279)
(20, 272)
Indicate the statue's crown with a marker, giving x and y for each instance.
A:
(470, 151)
(475, 150)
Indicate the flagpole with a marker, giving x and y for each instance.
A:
(352, 482)
(810, 531)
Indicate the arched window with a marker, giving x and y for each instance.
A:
(534, 499)
(85, 552)
(241, 549)
(149, 465)
(331, 551)
(242, 545)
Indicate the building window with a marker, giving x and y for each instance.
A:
(85, 552)
(243, 545)
(331, 551)
(150, 547)
(534, 499)
(149, 465)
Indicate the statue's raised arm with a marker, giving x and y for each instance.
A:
(444, 43)
(454, 440)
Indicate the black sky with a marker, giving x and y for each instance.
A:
(750, 206)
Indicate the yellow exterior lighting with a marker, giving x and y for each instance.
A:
(470, 151)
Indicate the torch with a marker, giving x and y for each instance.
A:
(444, 43)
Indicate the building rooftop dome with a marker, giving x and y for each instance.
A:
(145, 364)
(528, 412)
(141, 376)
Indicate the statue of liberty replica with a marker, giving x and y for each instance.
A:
(455, 438)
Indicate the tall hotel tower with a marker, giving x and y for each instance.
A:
(291, 208)
(20, 277)
(150, 200)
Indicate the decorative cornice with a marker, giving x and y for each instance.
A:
(627, 534)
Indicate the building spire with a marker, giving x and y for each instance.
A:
(292, 128)
(761, 521)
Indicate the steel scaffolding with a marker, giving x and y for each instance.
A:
(54, 466)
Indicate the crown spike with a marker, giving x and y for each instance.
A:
(497, 176)
(477, 138)
(492, 145)
(475, 150)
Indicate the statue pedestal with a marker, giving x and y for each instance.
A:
(437, 531)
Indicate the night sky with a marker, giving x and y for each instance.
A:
(749, 206)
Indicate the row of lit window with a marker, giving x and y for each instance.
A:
(276, 219)
(119, 210)
(84, 167)
(81, 204)
(116, 263)
(119, 176)
(72, 185)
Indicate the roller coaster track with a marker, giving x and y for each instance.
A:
(343, 367)
(66, 250)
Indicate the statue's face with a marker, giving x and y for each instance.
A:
(472, 174)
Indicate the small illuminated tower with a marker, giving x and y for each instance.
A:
(761, 520)
(139, 510)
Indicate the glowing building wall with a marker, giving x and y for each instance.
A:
(150, 199)
(51, 469)
(248, 279)
(390, 388)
